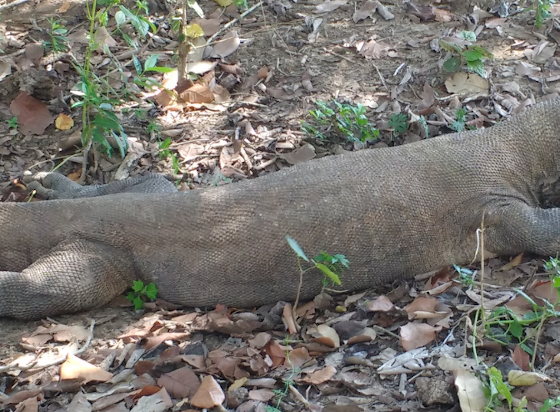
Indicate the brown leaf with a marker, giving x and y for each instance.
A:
(321, 376)
(74, 368)
(28, 405)
(64, 122)
(228, 45)
(209, 26)
(521, 358)
(22, 396)
(367, 10)
(32, 114)
(198, 93)
(263, 73)
(153, 341)
(415, 335)
(372, 49)
(209, 394)
(180, 383)
(380, 304)
(300, 155)
(263, 395)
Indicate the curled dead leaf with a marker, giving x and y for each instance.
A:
(209, 394)
(76, 368)
(63, 122)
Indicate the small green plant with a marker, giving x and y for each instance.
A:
(542, 11)
(465, 276)
(13, 123)
(327, 264)
(465, 53)
(289, 381)
(57, 33)
(459, 124)
(241, 4)
(340, 121)
(495, 389)
(164, 152)
(398, 122)
(140, 293)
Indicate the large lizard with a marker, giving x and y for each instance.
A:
(394, 212)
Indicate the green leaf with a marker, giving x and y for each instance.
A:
(296, 248)
(138, 303)
(516, 329)
(130, 296)
(137, 64)
(452, 64)
(477, 66)
(137, 285)
(482, 51)
(329, 273)
(472, 55)
(151, 291)
(151, 62)
(120, 18)
(160, 69)
(106, 123)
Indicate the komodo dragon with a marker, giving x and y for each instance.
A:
(394, 212)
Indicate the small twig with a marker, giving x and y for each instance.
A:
(388, 332)
(12, 4)
(232, 22)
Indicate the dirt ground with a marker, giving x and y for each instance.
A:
(403, 70)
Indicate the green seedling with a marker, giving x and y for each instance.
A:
(465, 54)
(140, 293)
(57, 33)
(289, 381)
(13, 123)
(327, 264)
(398, 122)
(336, 121)
(459, 124)
(165, 152)
(542, 11)
(495, 389)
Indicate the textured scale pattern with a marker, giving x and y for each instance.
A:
(393, 212)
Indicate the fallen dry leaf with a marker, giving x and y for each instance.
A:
(228, 45)
(32, 114)
(380, 304)
(209, 26)
(263, 395)
(367, 10)
(329, 6)
(467, 84)
(415, 335)
(372, 49)
(327, 336)
(209, 394)
(64, 122)
(303, 154)
(470, 391)
(321, 376)
(522, 378)
(521, 358)
(76, 368)
(198, 93)
(180, 383)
